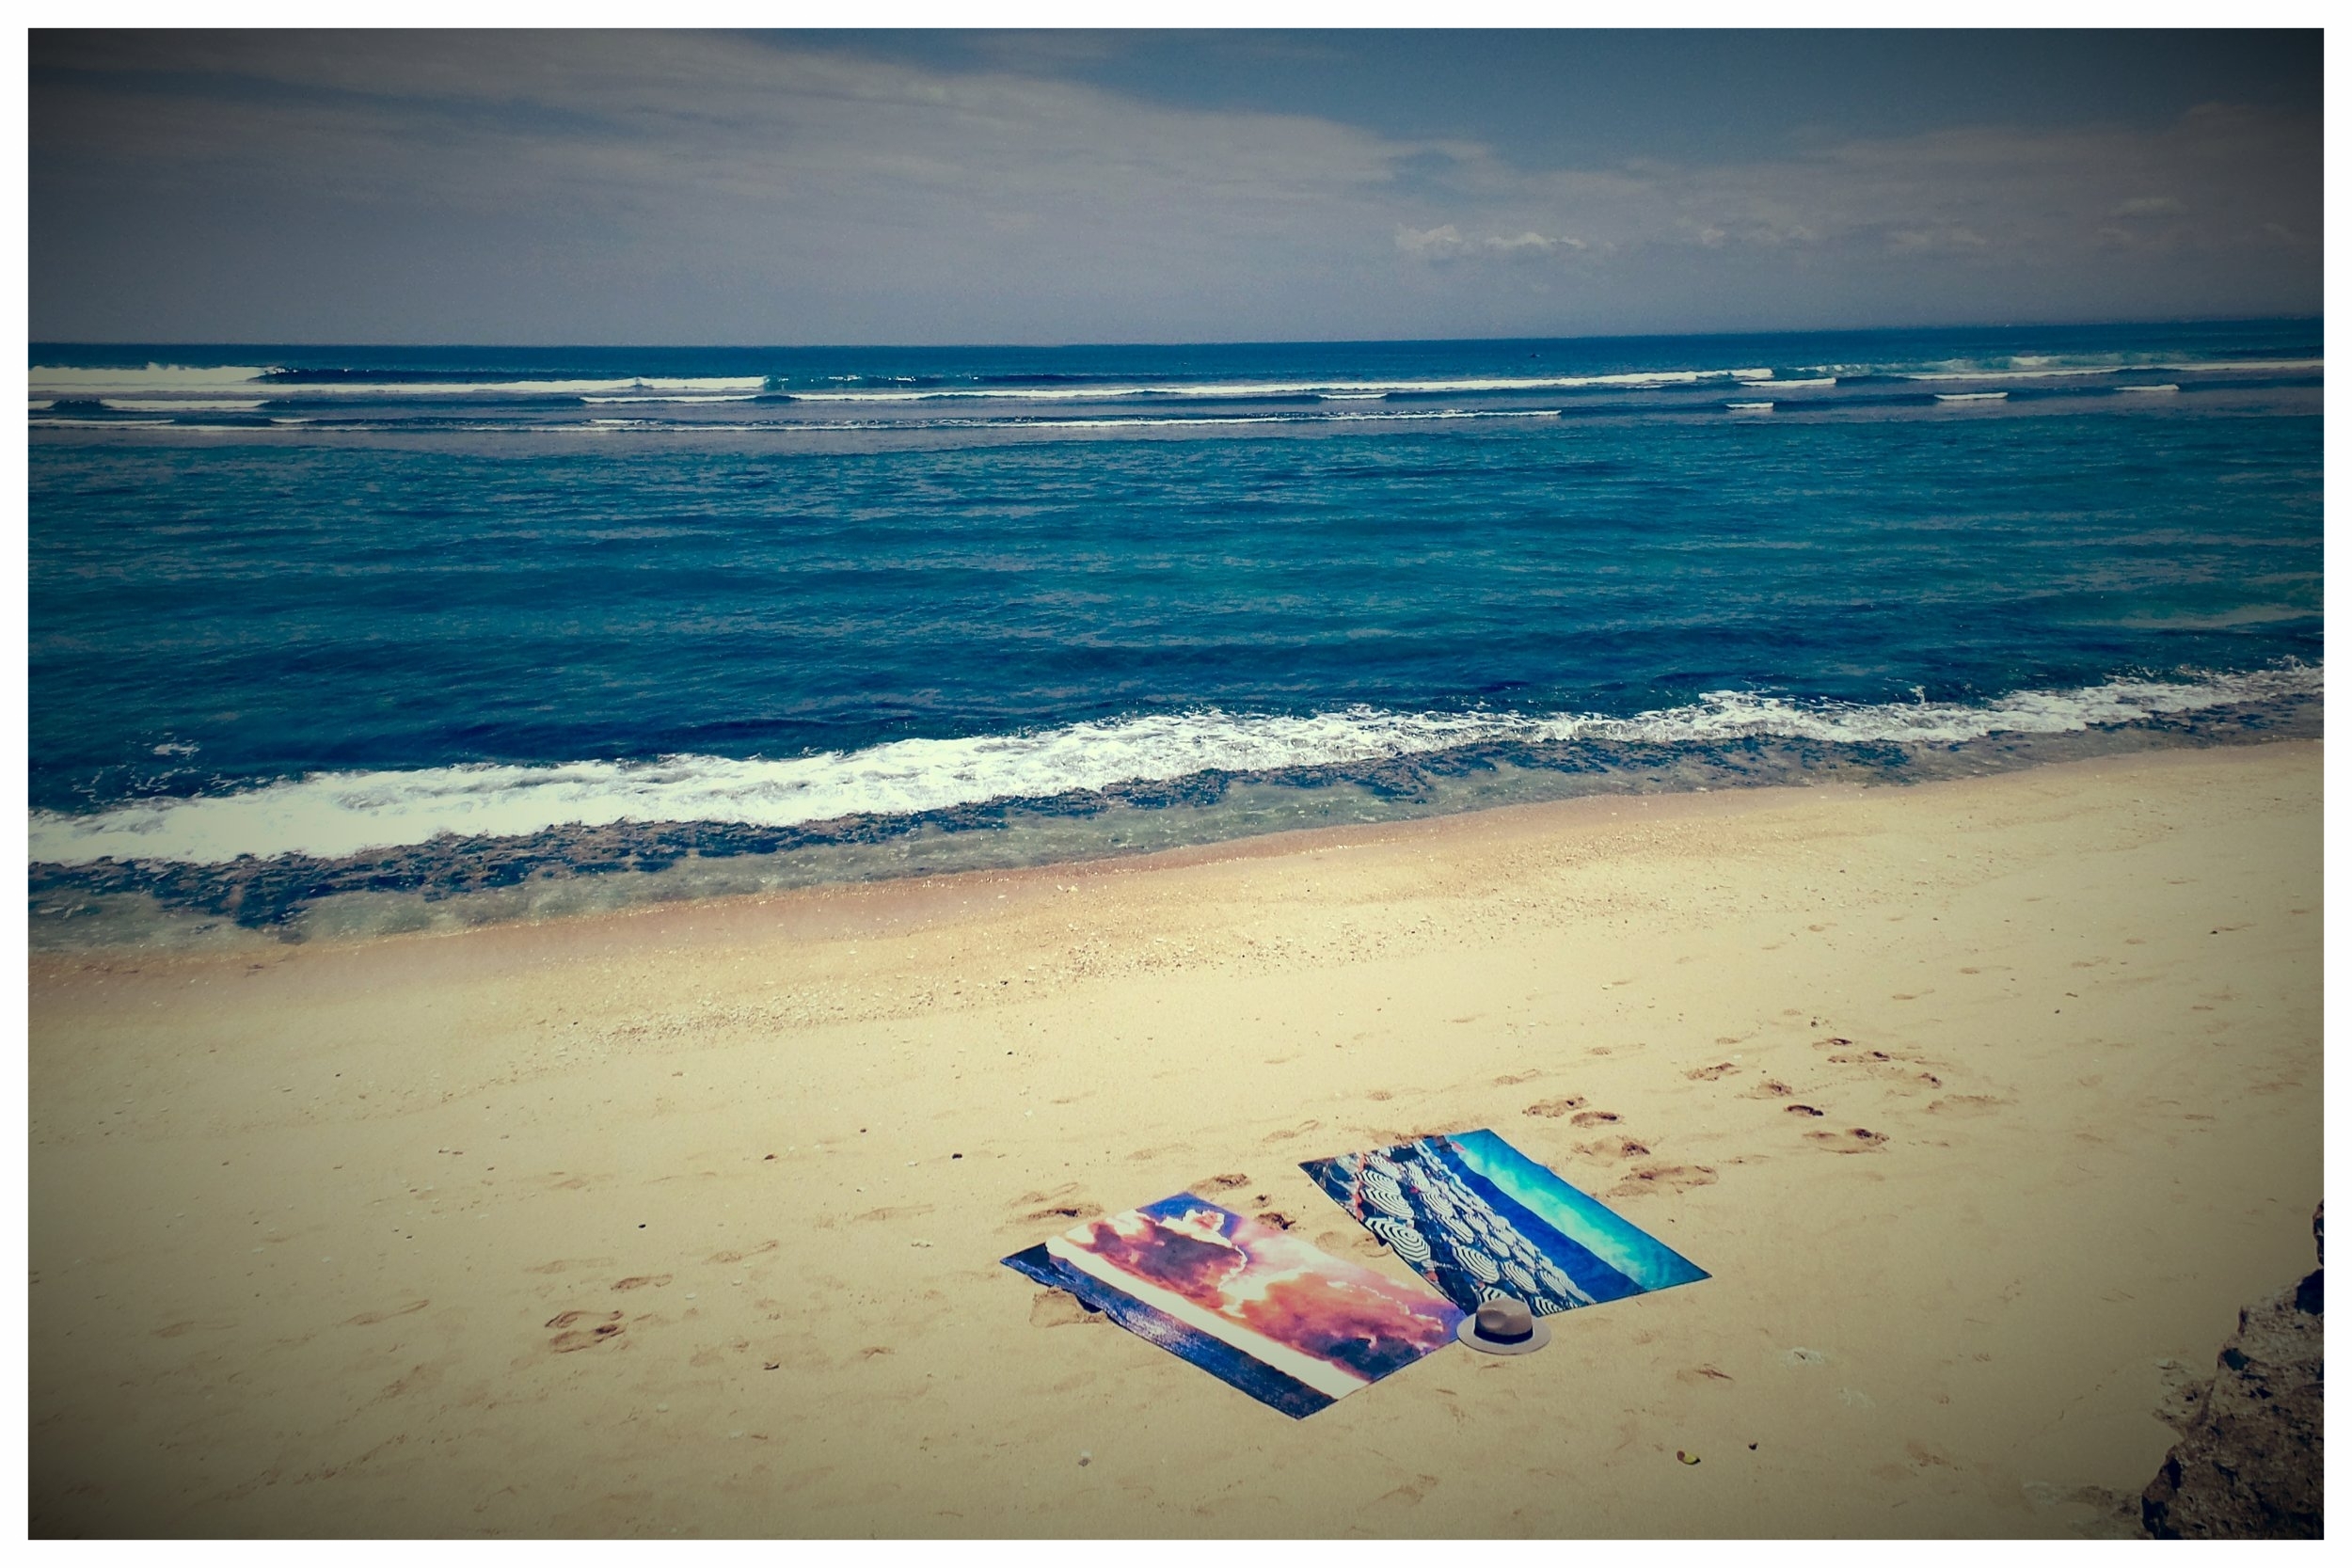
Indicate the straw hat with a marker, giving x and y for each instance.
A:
(1505, 1327)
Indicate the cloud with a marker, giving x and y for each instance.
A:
(1997, 219)
(694, 186)
(1373, 1332)
(708, 188)
(2034, 194)
(1193, 1260)
(1445, 241)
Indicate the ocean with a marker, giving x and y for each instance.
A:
(334, 641)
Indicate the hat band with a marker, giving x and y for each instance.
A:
(1507, 1339)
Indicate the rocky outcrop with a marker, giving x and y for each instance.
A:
(2248, 1462)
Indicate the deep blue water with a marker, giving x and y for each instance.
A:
(291, 600)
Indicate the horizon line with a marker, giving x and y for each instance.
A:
(1194, 343)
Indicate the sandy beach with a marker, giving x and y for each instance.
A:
(1980, 1100)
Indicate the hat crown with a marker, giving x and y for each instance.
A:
(1505, 1320)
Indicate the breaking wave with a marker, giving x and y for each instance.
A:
(333, 815)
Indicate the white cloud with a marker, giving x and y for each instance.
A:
(1445, 242)
(696, 188)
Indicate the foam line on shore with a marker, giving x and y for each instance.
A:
(332, 814)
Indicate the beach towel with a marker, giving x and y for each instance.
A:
(1265, 1309)
(1481, 1222)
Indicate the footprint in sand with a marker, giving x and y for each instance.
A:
(1410, 1493)
(173, 1331)
(1801, 1111)
(580, 1330)
(1060, 1309)
(1592, 1118)
(1061, 1203)
(637, 1281)
(1708, 1074)
(1559, 1107)
(1510, 1078)
(1360, 1242)
(1892, 1068)
(1772, 1088)
(1853, 1140)
(1844, 1052)
(1224, 1183)
(1666, 1178)
(739, 1257)
(368, 1319)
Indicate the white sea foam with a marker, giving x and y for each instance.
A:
(2166, 387)
(2038, 371)
(1282, 389)
(1971, 396)
(98, 424)
(183, 406)
(673, 396)
(174, 381)
(332, 814)
(76, 381)
(164, 382)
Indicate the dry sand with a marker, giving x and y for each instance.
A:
(656, 1224)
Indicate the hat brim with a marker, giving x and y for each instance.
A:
(1468, 1334)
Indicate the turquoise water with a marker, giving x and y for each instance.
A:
(327, 641)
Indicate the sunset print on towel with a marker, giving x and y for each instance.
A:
(1270, 1313)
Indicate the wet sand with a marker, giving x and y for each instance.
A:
(1982, 1100)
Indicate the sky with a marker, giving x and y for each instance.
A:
(1005, 188)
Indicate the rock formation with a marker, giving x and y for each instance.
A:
(2248, 1462)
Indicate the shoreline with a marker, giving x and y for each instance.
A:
(804, 909)
(2092, 1140)
(578, 870)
